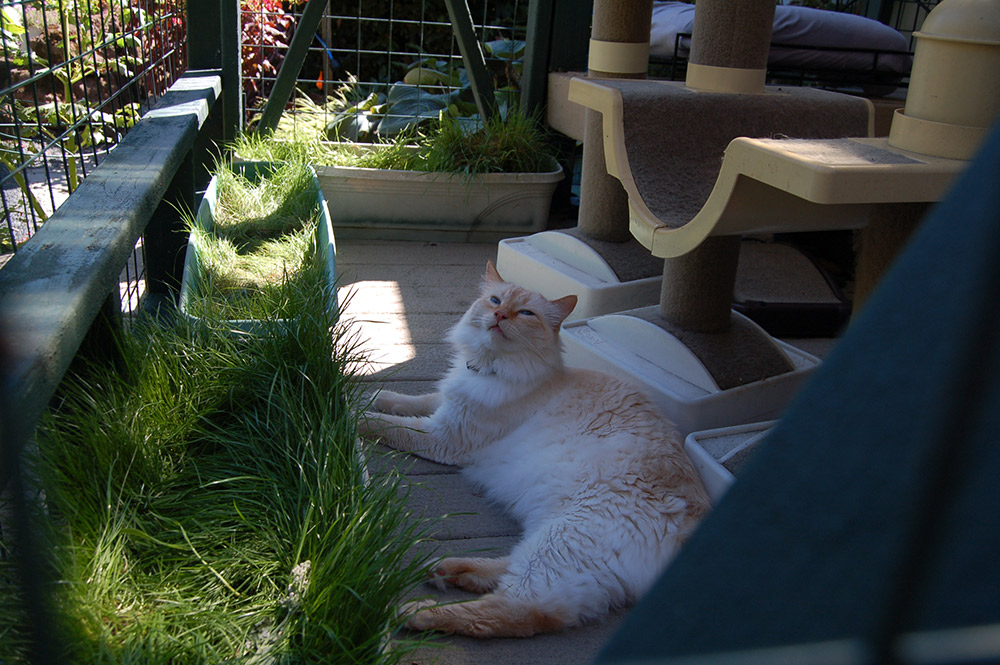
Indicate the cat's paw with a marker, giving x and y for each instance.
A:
(478, 575)
(387, 401)
(416, 616)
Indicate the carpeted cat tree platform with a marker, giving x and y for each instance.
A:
(676, 135)
(693, 185)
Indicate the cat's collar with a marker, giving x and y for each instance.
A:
(479, 370)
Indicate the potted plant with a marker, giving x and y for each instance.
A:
(261, 228)
(452, 178)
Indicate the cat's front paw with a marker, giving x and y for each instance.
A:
(416, 614)
(478, 575)
(369, 424)
(386, 401)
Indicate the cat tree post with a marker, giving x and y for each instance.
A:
(952, 102)
(619, 48)
(729, 47)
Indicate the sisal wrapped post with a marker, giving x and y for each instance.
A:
(729, 47)
(619, 48)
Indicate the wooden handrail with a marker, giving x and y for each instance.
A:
(53, 288)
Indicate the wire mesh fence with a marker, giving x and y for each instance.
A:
(75, 76)
(363, 52)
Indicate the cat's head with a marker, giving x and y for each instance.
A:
(507, 317)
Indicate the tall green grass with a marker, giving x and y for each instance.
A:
(204, 502)
(247, 282)
(262, 236)
(251, 207)
(514, 143)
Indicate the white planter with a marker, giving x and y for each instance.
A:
(419, 205)
(205, 218)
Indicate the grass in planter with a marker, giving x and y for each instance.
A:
(206, 505)
(263, 235)
(244, 282)
(515, 143)
(512, 144)
(251, 208)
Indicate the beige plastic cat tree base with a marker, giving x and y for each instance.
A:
(719, 454)
(631, 345)
(556, 263)
(763, 186)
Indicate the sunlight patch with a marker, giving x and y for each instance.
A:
(383, 331)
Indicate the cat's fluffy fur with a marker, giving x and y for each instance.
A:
(596, 475)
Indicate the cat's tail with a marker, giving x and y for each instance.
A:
(493, 615)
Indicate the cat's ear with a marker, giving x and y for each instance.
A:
(563, 307)
(492, 276)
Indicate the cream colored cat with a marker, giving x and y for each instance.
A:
(596, 475)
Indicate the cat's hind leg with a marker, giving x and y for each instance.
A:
(398, 404)
(475, 574)
(492, 615)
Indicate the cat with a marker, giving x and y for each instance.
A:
(596, 475)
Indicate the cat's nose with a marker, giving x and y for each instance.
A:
(500, 315)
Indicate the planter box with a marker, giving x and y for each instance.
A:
(205, 219)
(419, 205)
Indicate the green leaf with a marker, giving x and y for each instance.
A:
(10, 21)
(508, 49)
(350, 126)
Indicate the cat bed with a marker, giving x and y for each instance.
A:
(802, 38)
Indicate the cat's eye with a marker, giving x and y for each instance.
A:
(526, 312)
(494, 300)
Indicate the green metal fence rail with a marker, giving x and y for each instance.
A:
(55, 287)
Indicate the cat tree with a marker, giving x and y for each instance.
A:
(708, 366)
(599, 259)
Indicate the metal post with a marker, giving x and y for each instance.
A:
(163, 240)
(231, 64)
(472, 54)
(305, 31)
(204, 23)
(536, 56)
